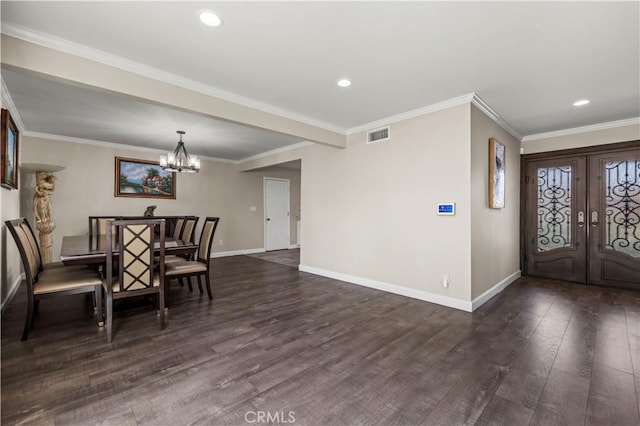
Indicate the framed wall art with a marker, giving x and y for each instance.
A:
(143, 179)
(10, 147)
(496, 174)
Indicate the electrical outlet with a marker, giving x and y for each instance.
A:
(253, 208)
(221, 242)
(445, 281)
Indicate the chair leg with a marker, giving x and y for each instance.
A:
(163, 323)
(98, 297)
(109, 316)
(36, 305)
(189, 283)
(199, 283)
(29, 318)
(208, 282)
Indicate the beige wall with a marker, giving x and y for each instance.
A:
(10, 265)
(283, 156)
(582, 139)
(495, 235)
(369, 211)
(85, 188)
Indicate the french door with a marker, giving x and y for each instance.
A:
(582, 218)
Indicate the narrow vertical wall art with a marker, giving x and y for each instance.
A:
(496, 174)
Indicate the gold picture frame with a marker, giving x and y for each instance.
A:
(143, 179)
(497, 157)
(10, 146)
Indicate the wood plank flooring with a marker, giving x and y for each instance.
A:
(309, 350)
(289, 257)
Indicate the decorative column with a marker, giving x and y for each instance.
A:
(42, 210)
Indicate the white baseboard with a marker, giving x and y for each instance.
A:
(439, 299)
(12, 291)
(246, 251)
(484, 297)
(237, 252)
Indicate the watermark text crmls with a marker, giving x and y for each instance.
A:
(270, 417)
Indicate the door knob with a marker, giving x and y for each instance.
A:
(580, 218)
(594, 218)
(268, 219)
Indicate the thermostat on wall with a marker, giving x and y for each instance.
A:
(446, 209)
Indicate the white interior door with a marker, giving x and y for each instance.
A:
(276, 214)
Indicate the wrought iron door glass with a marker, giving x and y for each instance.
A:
(554, 207)
(622, 198)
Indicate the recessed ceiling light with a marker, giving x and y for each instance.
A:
(209, 18)
(344, 82)
(581, 102)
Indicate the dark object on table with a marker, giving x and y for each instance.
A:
(149, 211)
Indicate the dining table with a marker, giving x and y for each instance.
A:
(92, 249)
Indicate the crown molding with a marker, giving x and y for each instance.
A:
(7, 103)
(450, 103)
(471, 98)
(113, 145)
(489, 112)
(583, 129)
(276, 151)
(105, 58)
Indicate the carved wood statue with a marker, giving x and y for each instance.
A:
(45, 185)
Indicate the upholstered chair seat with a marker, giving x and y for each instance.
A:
(115, 284)
(176, 269)
(59, 279)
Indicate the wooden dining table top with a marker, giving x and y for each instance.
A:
(86, 249)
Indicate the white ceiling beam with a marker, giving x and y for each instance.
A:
(50, 63)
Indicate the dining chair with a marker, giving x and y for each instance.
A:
(186, 233)
(48, 281)
(177, 230)
(136, 273)
(189, 229)
(98, 224)
(201, 265)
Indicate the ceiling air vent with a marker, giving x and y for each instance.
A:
(378, 135)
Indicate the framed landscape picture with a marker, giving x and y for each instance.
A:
(496, 174)
(10, 148)
(143, 179)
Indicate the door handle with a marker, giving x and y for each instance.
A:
(580, 218)
(268, 219)
(594, 218)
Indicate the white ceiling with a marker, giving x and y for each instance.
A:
(528, 61)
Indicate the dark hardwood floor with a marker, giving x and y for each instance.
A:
(281, 345)
(289, 257)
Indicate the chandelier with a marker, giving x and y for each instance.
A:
(179, 160)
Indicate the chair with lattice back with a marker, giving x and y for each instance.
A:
(138, 271)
